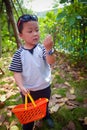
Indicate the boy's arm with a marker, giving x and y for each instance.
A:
(50, 58)
(19, 82)
(48, 44)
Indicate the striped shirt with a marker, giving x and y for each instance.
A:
(32, 65)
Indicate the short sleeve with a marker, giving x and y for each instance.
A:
(43, 50)
(16, 64)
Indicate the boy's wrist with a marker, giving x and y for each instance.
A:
(50, 52)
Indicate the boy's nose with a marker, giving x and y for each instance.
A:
(35, 33)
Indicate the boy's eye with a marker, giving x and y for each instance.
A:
(37, 30)
(30, 31)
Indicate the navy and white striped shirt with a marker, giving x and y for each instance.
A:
(32, 65)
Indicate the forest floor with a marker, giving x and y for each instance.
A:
(68, 103)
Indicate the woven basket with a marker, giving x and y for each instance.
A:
(30, 112)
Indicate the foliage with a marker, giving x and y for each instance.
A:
(68, 26)
(48, 24)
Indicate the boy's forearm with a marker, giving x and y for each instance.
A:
(19, 82)
(50, 59)
(18, 79)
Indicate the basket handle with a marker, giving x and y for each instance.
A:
(32, 100)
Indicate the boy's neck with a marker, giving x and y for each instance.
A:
(29, 46)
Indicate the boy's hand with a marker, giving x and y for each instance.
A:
(48, 42)
(24, 90)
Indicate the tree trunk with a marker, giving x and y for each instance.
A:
(0, 41)
(12, 21)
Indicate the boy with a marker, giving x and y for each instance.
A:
(31, 63)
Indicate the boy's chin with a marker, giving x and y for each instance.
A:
(34, 43)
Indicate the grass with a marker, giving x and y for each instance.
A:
(61, 91)
(13, 102)
(63, 116)
(80, 90)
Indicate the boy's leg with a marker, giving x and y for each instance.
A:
(28, 126)
(45, 93)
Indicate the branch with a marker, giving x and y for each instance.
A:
(20, 7)
(2, 71)
(14, 8)
(12, 20)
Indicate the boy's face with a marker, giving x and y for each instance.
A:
(30, 33)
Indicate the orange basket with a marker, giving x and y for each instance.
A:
(30, 112)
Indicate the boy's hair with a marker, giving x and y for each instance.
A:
(25, 18)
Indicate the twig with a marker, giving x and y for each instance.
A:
(2, 71)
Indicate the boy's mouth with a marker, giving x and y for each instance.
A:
(35, 39)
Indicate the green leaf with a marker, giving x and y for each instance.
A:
(61, 15)
(71, 20)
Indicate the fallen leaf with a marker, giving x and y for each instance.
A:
(56, 96)
(52, 102)
(70, 107)
(85, 105)
(13, 123)
(14, 127)
(9, 113)
(10, 107)
(62, 100)
(56, 85)
(38, 124)
(70, 103)
(3, 98)
(85, 100)
(54, 108)
(85, 120)
(70, 96)
(2, 118)
(67, 84)
(61, 104)
(6, 123)
(71, 126)
(72, 91)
